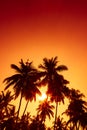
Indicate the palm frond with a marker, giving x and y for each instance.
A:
(15, 67)
(42, 67)
(14, 77)
(61, 68)
(9, 84)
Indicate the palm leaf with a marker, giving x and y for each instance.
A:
(62, 68)
(15, 67)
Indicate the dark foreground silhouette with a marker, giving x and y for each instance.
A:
(26, 83)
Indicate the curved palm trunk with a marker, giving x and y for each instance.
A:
(19, 107)
(25, 108)
(56, 111)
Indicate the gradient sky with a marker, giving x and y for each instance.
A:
(33, 30)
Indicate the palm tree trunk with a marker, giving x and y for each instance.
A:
(19, 107)
(56, 114)
(25, 107)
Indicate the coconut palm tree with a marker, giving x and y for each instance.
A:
(24, 122)
(60, 124)
(54, 80)
(45, 110)
(36, 124)
(5, 104)
(6, 109)
(23, 82)
(77, 110)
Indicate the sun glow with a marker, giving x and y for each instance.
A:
(43, 97)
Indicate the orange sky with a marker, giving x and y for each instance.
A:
(45, 28)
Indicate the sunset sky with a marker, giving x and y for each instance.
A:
(34, 29)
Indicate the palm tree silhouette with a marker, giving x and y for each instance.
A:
(55, 81)
(24, 82)
(77, 110)
(8, 124)
(6, 110)
(36, 124)
(5, 104)
(45, 110)
(24, 122)
(60, 124)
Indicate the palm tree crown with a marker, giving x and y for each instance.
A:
(77, 110)
(45, 109)
(55, 81)
(24, 81)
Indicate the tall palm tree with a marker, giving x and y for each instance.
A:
(77, 110)
(54, 80)
(23, 81)
(45, 109)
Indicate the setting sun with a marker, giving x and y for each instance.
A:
(52, 34)
(43, 97)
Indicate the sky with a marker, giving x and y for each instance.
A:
(34, 29)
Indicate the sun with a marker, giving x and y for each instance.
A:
(43, 97)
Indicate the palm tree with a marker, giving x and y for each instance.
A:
(60, 124)
(6, 109)
(8, 124)
(5, 104)
(55, 81)
(24, 122)
(77, 110)
(83, 120)
(23, 81)
(37, 124)
(45, 110)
